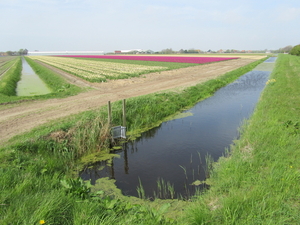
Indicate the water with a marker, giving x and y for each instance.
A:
(30, 83)
(176, 150)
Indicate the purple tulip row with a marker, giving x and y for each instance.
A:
(178, 59)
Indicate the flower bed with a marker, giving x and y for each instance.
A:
(177, 59)
(97, 71)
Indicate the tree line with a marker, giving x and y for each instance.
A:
(11, 53)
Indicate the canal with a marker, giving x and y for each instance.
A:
(176, 155)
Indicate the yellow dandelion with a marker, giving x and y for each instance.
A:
(42, 222)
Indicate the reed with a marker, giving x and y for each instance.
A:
(165, 190)
(140, 190)
(91, 136)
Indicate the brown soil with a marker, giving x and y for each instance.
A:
(18, 118)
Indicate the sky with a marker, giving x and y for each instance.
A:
(108, 25)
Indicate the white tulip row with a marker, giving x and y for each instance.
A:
(94, 70)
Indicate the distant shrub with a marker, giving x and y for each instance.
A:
(295, 50)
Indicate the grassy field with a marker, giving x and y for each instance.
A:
(258, 181)
(37, 169)
(6, 62)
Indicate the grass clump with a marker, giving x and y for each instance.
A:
(258, 181)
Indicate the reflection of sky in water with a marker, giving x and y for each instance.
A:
(30, 83)
(161, 151)
(271, 60)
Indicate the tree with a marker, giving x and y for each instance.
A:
(167, 51)
(287, 48)
(20, 52)
(9, 53)
(295, 50)
(23, 51)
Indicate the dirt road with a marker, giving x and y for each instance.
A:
(18, 118)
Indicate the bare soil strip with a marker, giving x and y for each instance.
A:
(22, 117)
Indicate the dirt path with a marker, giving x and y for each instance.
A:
(19, 118)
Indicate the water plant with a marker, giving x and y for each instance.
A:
(165, 190)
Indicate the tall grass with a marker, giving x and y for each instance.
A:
(258, 182)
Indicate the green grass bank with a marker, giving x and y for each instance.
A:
(10, 78)
(258, 181)
(36, 168)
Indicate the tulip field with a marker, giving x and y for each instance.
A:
(100, 68)
(97, 71)
(177, 59)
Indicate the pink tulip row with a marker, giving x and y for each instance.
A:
(178, 59)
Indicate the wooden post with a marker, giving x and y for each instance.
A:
(109, 113)
(124, 113)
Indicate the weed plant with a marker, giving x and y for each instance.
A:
(258, 181)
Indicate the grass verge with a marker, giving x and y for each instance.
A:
(36, 167)
(258, 181)
(8, 81)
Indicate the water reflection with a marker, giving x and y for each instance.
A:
(176, 151)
